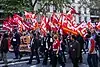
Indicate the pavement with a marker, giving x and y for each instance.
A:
(22, 62)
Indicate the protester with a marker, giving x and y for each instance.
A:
(92, 53)
(55, 53)
(34, 48)
(81, 41)
(56, 34)
(4, 49)
(45, 49)
(47, 45)
(15, 42)
(98, 43)
(74, 50)
(63, 47)
(0, 47)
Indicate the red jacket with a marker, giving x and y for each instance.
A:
(91, 46)
(56, 44)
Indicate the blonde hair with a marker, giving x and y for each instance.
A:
(55, 36)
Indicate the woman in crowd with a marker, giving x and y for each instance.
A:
(4, 48)
(56, 52)
(92, 52)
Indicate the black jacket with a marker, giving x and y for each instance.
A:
(4, 45)
(16, 39)
(48, 40)
(44, 42)
(97, 39)
(74, 49)
(81, 41)
(35, 43)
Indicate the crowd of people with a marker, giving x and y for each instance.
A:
(54, 45)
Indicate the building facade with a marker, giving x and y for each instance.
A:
(82, 9)
(1, 17)
(84, 12)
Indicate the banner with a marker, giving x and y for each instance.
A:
(66, 23)
(82, 29)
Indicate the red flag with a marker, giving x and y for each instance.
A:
(53, 23)
(44, 21)
(62, 20)
(54, 18)
(90, 25)
(17, 17)
(28, 15)
(70, 16)
(27, 27)
(10, 22)
(6, 26)
(52, 26)
(67, 27)
(34, 16)
(67, 24)
(34, 22)
(73, 11)
(18, 20)
(98, 26)
(82, 29)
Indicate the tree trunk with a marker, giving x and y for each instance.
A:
(33, 5)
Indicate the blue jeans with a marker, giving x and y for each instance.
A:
(99, 54)
(92, 60)
(4, 58)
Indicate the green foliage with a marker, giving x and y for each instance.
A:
(57, 3)
(18, 6)
(15, 6)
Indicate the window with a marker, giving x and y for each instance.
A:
(1, 15)
(85, 19)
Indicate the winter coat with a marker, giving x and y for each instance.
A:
(15, 41)
(35, 43)
(81, 41)
(74, 49)
(4, 45)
